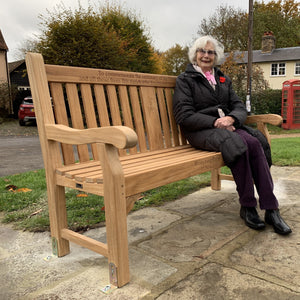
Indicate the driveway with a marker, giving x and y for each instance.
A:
(19, 154)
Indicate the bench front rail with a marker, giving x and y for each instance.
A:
(113, 134)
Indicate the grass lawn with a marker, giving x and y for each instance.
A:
(23, 197)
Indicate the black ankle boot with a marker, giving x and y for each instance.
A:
(273, 217)
(251, 218)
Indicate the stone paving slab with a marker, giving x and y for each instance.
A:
(189, 238)
(141, 224)
(268, 253)
(217, 282)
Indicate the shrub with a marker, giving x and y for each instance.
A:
(264, 102)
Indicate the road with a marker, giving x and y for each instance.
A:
(19, 154)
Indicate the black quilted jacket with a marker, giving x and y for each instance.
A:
(195, 107)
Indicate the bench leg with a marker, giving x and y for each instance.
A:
(116, 236)
(58, 219)
(215, 179)
(115, 216)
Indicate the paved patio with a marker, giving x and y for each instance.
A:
(194, 248)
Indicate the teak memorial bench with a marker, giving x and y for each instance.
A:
(126, 141)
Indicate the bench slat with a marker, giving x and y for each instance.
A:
(89, 112)
(164, 117)
(151, 117)
(138, 119)
(77, 166)
(101, 105)
(126, 112)
(62, 118)
(67, 74)
(76, 118)
(177, 140)
(114, 108)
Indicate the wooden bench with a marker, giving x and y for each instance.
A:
(125, 121)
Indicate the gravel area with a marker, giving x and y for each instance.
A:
(12, 128)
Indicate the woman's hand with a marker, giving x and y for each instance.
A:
(225, 123)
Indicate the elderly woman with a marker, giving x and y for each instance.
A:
(211, 117)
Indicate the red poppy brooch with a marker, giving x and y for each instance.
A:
(222, 79)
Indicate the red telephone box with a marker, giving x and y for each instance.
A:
(290, 106)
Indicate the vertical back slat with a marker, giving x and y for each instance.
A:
(138, 118)
(126, 111)
(151, 118)
(101, 105)
(174, 128)
(61, 117)
(76, 117)
(114, 105)
(164, 117)
(89, 112)
(114, 108)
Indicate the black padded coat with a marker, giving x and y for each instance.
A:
(195, 107)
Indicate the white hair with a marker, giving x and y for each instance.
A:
(201, 43)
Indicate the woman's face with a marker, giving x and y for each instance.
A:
(205, 57)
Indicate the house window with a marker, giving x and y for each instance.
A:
(278, 69)
(297, 68)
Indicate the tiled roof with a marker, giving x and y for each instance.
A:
(3, 45)
(280, 54)
(14, 65)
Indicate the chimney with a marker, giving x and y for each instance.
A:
(267, 42)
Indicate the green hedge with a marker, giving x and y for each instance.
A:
(264, 102)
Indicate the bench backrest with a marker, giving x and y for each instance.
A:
(89, 98)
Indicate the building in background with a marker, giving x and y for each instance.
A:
(5, 96)
(278, 64)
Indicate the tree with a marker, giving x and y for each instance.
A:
(110, 38)
(135, 44)
(280, 17)
(238, 74)
(229, 26)
(175, 60)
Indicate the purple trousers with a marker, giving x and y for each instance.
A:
(252, 167)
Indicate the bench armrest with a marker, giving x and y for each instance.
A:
(267, 119)
(121, 137)
(262, 120)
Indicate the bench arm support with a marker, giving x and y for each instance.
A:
(262, 120)
(121, 137)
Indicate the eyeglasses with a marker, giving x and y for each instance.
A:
(208, 52)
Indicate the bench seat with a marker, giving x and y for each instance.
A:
(143, 171)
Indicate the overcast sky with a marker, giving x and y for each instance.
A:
(169, 21)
